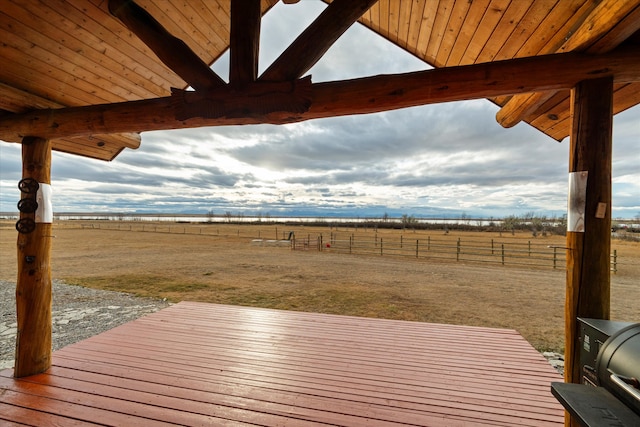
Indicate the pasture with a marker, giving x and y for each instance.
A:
(219, 263)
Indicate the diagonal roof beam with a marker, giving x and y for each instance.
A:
(316, 40)
(173, 52)
(245, 42)
(624, 15)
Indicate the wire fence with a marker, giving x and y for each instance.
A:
(500, 251)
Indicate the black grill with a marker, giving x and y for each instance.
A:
(610, 367)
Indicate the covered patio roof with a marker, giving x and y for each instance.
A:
(69, 53)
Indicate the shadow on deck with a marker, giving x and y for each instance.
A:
(206, 364)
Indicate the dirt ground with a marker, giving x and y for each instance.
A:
(227, 268)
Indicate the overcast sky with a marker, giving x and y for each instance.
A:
(443, 160)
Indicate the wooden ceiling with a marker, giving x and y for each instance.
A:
(74, 53)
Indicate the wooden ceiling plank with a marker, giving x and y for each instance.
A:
(18, 101)
(394, 22)
(625, 96)
(84, 148)
(558, 38)
(524, 29)
(503, 32)
(404, 19)
(564, 17)
(370, 18)
(112, 39)
(99, 146)
(57, 44)
(602, 20)
(471, 22)
(438, 31)
(487, 27)
(428, 21)
(57, 86)
(357, 96)
(456, 20)
(314, 41)
(415, 24)
(214, 30)
(180, 20)
(175, 53)
(383, 10)
(222, 10)
(245, 42)
(129, 140)
(61, 63)
(203, 31)
(627, 27)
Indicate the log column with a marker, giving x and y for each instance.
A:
(589, 247)
(33, 290)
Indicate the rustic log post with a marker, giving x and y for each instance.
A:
(33, 290)
(589, 244)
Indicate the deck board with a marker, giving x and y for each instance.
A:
(207, 364)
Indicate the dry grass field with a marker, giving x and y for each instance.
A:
(218, 263)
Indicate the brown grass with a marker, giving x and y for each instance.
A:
(221, 266)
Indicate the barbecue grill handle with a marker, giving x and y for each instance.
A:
(635, 393)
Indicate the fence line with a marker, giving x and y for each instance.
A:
(497, 251)
(514, 253)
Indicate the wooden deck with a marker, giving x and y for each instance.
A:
(202, 364)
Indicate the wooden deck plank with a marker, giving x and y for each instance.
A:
(205, 364)
(200, 360)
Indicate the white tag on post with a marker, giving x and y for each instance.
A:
(44, 213)
(577, 201)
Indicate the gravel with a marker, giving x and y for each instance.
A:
(77, 313)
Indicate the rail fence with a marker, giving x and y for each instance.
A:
(515, 252)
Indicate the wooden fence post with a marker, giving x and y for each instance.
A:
(33, 288)
(615, 261)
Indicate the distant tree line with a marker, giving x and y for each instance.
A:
(538, 225)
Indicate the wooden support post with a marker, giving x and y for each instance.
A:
(588, 276)
(33, 290)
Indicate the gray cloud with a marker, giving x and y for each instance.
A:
(432, 160)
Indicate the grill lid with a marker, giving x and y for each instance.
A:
(617, 399)
(618, 366)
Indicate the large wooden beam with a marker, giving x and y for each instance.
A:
(358, 96)
(173, 52)
(589, 244)
(33, 288)
(595, 36)
(316, 40)
(245, 42)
